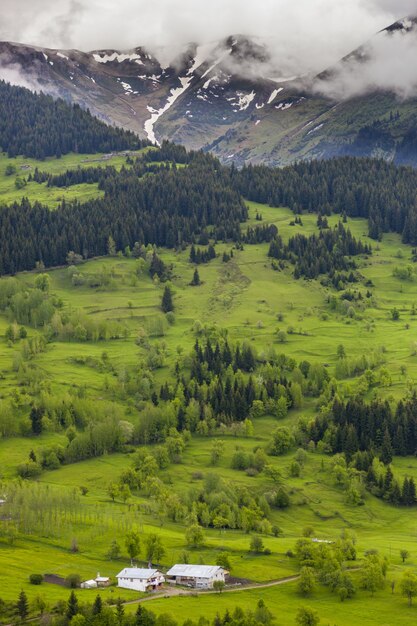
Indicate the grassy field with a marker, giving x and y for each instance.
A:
(246, 297)
(52, 196)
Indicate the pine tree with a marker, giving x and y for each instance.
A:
(196, 279)
(386, 450)
(120, 611)
(144, 617)
(22, 605)
(167, 304)
(97, 606)
(411, 492)
(36, 419)
(72, 606)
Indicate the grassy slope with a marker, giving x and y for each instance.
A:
(52, 196)
(245, 297)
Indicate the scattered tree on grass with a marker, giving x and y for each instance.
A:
(257, 545)
(132, 543)
(155, 551)
(404, 555)
(113, 491)
(223, 561)
(194, 536)
(307, 617)
(373, 573)
(114, 551)
(195, 282)
(217, 451)
(218, 585)
(167, 304)
(408, 586)
(307, 581)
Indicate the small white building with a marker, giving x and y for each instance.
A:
(99, 581)
(102, 581)
(198, 576)
(140, 579)
(89, 584)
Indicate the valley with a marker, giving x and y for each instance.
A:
(67, 520)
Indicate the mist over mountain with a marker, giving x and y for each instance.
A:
(303, 37)
(248, 98)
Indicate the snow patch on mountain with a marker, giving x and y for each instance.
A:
(243, 101)
(156, 114)
(116, 56)
(126, 87)
(314, 130)
(274, 95)
(283, 106)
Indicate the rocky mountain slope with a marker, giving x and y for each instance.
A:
(222, 97)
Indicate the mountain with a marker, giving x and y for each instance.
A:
(223, 97)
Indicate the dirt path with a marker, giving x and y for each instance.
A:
(180, 592)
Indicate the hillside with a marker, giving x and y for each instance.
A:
(99, 360)
(222, 97)
(38, 126)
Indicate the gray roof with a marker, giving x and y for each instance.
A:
(137, 572)
(195, 571)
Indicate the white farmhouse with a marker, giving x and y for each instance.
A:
(140, 579)
(198, 576)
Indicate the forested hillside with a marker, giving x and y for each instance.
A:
(381, 192)
(218, 367)
(37, 125)
(152, 200)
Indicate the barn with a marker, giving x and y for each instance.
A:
(198, 576)
(140, 579)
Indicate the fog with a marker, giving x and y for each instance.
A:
(303, 37)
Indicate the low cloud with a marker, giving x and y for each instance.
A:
(13, 73)
(386, 63)
(303, 37)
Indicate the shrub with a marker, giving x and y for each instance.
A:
(31, 469)
(257, 545)
(73, 581)
(35, 579)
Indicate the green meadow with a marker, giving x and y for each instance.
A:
(52, 196)
(252, 302)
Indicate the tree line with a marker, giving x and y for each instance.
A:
(325, 253)
(357, 187)
(37, 126)
(169, 208)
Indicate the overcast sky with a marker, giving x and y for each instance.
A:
(308, 35)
